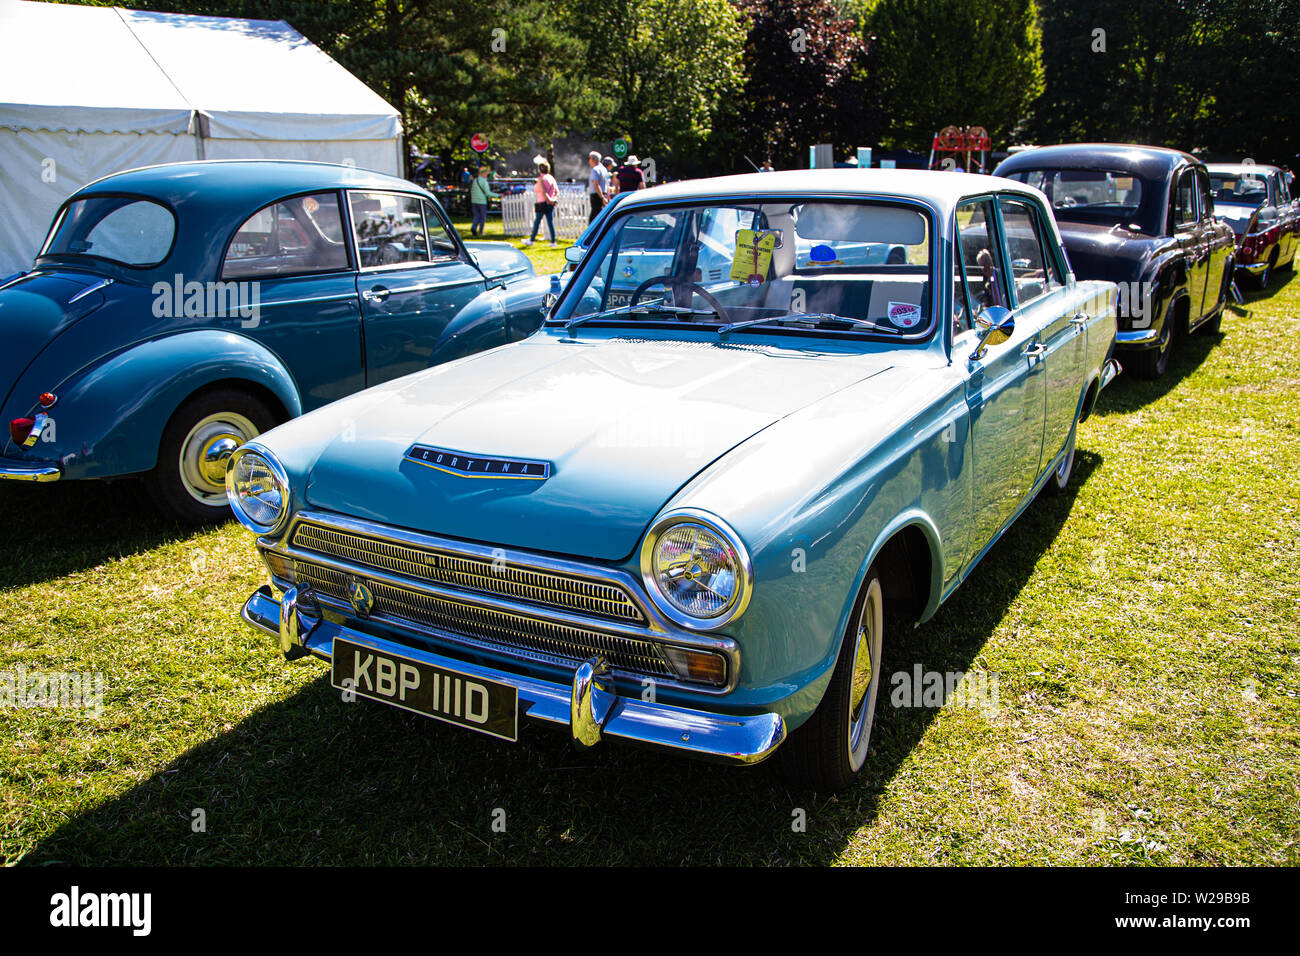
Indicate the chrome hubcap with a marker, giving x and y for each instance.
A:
(866, 665)
(206, 450)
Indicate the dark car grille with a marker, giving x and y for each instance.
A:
(537, 636)
(472, 573)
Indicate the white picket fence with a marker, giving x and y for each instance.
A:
(570, 214)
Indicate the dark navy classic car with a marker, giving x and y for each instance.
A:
(1256, 202)
(1142, 217)
(175, 312)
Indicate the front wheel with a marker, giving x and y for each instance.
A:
(830, 749)
(189, 481)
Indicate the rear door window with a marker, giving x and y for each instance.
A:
(298, 236)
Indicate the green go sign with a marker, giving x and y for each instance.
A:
(620, 149)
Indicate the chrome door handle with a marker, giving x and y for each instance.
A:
(1034, 349)
(377, 294)
(1079, 320)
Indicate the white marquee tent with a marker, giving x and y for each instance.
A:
(88, 91)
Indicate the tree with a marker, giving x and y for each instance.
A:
(668, 66)
(960, 62)
(806, 83)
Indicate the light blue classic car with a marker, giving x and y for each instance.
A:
(177, 311)
(679, 520)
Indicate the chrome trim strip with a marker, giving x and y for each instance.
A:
(725, 738)
(468, 572)
(35, 472)
(101, 284)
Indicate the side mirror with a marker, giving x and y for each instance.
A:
(1268, 214)
(996, 326)
(573, 254)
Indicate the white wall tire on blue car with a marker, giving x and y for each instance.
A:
(830, 749)
(188, 482)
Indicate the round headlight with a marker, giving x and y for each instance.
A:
(696, 570)
(258, 489)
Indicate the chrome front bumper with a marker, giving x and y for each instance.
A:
(1254, 268)
(587, 706)
(29, 470)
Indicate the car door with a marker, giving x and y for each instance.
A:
(292, 259)
(413, 282)
(1005, 388)
(1189, 231)
(1043, 301)
(1219, 240)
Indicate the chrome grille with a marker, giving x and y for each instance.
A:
(514, 632)
(471, 573)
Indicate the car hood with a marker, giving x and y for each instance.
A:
(1238, 217)
(499, 260)
(1112, 253)
(34, 309)
(622, 424)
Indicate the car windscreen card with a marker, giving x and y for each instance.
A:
(754, 248)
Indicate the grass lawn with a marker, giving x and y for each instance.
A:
(545, 258)
(1143, 630)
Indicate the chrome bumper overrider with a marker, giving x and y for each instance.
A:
(587, 706)
(1109, 371)
(29, 471)
(1138, 337)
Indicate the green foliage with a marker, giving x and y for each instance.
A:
(806, 83)
(669, 66)
(959, 62)
(1212, 74)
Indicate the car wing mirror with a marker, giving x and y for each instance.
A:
(573, 254)
(996, 325)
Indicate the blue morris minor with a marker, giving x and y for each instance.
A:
(175, 312)
(684, 520)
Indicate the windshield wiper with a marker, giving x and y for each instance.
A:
(636, 310)
(809, 318)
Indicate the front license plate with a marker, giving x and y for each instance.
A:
(483, 705)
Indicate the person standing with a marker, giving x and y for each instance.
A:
(597, 185)
(479, 194)
(546, 195)
(608, 163)
(630, 177)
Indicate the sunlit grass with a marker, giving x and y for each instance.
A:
(1142, 630)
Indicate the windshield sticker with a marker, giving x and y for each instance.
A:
(753, 255)
(904, 314)
(823, 254)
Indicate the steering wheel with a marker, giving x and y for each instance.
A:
(675, 282)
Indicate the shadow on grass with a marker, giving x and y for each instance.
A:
(61, 528)
(1130, 393)
(311, 780)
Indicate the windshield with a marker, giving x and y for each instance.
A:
(1241, 189)
(848, 266)
(122, 229)
(1089, 195)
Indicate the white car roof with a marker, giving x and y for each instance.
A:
(1241, 169)
(937, 188)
